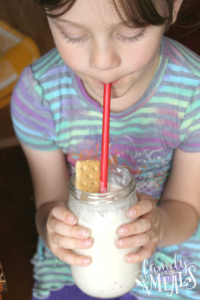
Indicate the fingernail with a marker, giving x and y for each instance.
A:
(131, 258)
(72, 219)
(128, 258)
(122, 231)
(121, 243)
(131, 213)
(86, 261)
(87, 243)
(84, 233)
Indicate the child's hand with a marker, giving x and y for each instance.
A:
(143, 232)
(64, 235)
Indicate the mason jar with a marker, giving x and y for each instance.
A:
(108, 275)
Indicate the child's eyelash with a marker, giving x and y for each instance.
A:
(123, 38)
(71, 40)
(134, 38)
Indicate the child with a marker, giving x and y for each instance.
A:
(154, 130)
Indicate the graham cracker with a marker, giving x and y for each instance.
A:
(88, 176)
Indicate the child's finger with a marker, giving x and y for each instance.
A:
(139, 226)
(144, 253)
(63, 214)
(145, 205)
(72, 258)
(70, 243)
(64, 229)
(137, 240)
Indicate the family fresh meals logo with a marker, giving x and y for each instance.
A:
(169, 277)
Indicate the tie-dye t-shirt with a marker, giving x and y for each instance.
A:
(51, 109)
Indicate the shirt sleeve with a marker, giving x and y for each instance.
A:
(31, 114)
(190, 125)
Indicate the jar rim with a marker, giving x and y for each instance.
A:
(102, 198)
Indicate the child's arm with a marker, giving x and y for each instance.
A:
(180, 202)
(50, 179)
(177, 216)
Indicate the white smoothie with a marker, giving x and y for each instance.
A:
(108, 275)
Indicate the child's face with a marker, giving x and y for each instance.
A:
(101, 50)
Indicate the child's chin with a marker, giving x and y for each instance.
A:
(118, 92)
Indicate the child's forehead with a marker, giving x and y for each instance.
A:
(97, 12)
(89, 11)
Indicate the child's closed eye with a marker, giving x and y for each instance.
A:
(120, 37)
(133, 38)
(72, 40)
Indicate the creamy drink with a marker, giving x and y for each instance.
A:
(108, 275)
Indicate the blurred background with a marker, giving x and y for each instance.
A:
(27, 35)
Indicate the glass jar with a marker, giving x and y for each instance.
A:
(108, 275)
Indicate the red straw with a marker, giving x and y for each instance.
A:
(105, 138)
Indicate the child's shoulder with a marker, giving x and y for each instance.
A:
(49, 65)
(181, 58)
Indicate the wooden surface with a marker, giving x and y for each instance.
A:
(7, 134)
(27, 17)
(18, 236)
(4, 117)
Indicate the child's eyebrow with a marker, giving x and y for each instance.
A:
(66, 21)
(77, 24)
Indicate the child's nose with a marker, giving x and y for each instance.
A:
(104, 57)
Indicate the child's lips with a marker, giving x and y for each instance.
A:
(113, 82)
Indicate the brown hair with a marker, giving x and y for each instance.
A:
(139, 13)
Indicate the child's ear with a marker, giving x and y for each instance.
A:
(177, 5)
